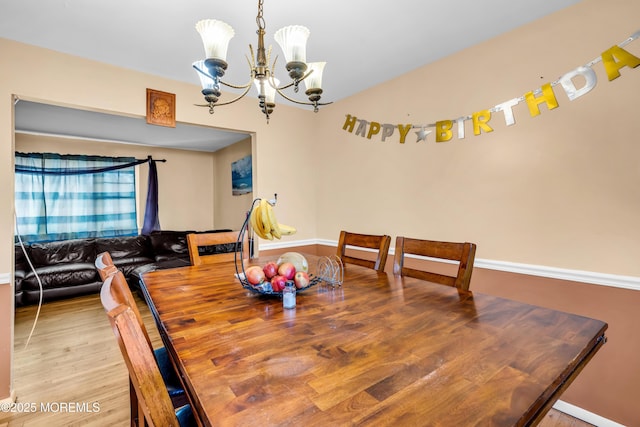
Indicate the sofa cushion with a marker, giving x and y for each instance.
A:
(18, 277)
(32, 297)
(127, 265)
(20, 259)
(21, 265)
(61, 276)
(169, 244)
(64, 251)
(124, 247)
(139, 260)
(19, 300)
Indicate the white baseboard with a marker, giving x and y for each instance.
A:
(584, 415)
(289, 244)
(10, 399)
(612, 280)
(594, 278)
(5, 278)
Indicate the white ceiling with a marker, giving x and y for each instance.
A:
(365, 42)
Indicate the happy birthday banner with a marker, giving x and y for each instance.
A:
(613, 60)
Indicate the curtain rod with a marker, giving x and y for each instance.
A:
(150, 159)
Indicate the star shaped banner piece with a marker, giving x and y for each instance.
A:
(422, 134)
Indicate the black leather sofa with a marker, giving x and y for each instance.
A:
(66, 268)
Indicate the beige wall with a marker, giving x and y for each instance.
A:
(557, 190)
(230, 210)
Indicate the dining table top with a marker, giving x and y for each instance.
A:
(378, 350)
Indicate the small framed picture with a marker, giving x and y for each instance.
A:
(161, 108)
(241, 176)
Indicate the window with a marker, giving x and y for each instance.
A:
(59, 197)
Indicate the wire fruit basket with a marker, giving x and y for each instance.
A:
(239, 257)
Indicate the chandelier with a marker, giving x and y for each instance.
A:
(292, 39)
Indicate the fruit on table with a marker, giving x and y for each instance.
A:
(270, 269)
(264, 223)
(301, 279)
(254, 275)
(295, 258)
(287, 270)
(278, 282)
(272, 276)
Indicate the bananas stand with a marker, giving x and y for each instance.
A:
(261, 219)
(239, 252)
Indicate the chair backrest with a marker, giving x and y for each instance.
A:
(464, 253)
(105, 265)
(198, 240)
(115, 288)
(380, 243)
(152, 396)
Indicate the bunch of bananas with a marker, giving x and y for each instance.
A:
(264, 223)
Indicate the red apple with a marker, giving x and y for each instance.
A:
(254, 275)
(301, 279)
(270, 269)
(287, 270)
(278, 282)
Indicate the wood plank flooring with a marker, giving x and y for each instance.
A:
(72, 372)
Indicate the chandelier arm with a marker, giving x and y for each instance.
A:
(301, 102)
(250, 62)
(236, 86)
(204, 73)
(281, 87)
(246, 90)
(289, 84)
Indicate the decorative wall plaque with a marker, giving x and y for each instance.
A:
(161, 108)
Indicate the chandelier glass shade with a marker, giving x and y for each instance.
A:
(216, 36)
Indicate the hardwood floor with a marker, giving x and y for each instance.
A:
(72, 372)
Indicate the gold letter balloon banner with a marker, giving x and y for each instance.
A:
(613, 60)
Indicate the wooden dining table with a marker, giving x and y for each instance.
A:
(378, 350)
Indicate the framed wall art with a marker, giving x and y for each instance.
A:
(241, 176)
(161, 108)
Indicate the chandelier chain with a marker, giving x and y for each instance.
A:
(260, 18)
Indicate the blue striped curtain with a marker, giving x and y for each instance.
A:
(59, 197)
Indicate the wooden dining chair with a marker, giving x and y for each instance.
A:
(463, 253)
(120, 292)
(378, 243)
(154, 406)
(104, 264)
(195, 241)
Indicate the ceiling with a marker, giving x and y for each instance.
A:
(36, 118)
(365, 42)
